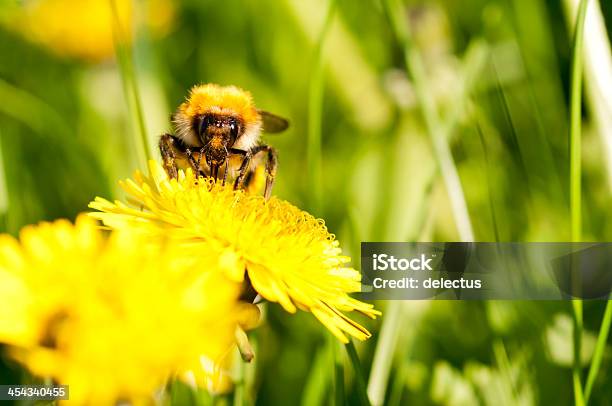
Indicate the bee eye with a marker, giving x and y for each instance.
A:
(203, 124)
(234, 127)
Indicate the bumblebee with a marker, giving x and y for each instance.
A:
(217, 133)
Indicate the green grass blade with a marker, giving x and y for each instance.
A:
(433, 123)
(358, 370)
(575, 180)
(576, 372)
(130, 83)
(600, 347)
(319, 377)
(240, 388)
(576, 124)
(339, 392)
(488, 182)
(383, 355)
(315, 112)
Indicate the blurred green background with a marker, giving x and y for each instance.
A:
(358, 154)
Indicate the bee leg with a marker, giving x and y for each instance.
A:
(244, 167)
(195, 165)
(214, 171)
(167, 148)
(225, 172)
(271, 166)
(200, 172)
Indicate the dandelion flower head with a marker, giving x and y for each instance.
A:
(287, 255)
(113, 317)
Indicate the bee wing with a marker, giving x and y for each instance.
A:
(273, 123)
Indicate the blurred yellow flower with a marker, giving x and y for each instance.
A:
(288, 255)
(84, 28)
(113, 317)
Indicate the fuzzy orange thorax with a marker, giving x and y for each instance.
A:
(212, 98)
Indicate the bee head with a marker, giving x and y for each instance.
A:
(214, 128)
(217, 133)
(216, 116)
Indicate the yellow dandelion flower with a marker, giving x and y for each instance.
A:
(84, 28)
(113, 317)
(288, 255)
